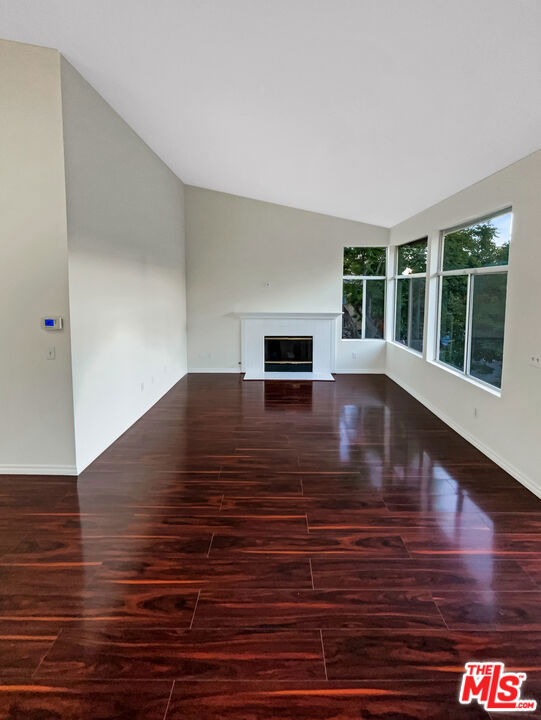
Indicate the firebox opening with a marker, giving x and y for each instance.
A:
(288, 354)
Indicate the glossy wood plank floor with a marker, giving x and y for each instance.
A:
(248, 551)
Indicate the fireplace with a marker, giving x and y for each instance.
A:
(265, 335)
(286, 353)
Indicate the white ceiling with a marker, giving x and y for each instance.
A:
(366, 109)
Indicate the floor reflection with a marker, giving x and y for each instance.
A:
(276, 522)
(291, 396)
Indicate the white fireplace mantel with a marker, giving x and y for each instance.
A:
(256, 325)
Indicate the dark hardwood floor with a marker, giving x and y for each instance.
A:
(252, 551)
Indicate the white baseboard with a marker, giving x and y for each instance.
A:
(528, 482)
(360, 371)
(215, 370)
(353, 371)
(38, 470)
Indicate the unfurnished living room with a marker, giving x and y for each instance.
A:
(270, 388)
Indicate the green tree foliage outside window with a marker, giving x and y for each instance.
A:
(375, 309)
(352, 310)
(454, 293)
(362, 261)
(412, 257)
(410, 312)
(474, 247)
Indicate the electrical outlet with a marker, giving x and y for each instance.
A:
(354, 356)
(535, 361)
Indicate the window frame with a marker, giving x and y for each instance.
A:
(364, 278)
(400, 276)
(470, 273)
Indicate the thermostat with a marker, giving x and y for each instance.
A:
(52, 322)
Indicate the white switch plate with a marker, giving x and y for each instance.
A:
(51, 353)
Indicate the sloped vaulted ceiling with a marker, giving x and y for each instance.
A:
(365, 109)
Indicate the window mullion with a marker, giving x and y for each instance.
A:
(411, 275)
(489, 269)
(472, 271)
(410, 289)
(438, 318)
(467, 329)
(454, 273)
(363, 325)
(395, 313)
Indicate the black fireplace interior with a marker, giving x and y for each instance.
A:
(288, 354)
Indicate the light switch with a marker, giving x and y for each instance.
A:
(51, 353)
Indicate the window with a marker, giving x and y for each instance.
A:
(473, 289)
(410, 294)
(363, 296)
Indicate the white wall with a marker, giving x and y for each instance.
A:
(127, 289)
(507, 428)
(36, 418)
(235, 246)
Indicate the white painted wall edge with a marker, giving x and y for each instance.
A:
(147, 408)
(38, 470)
(485, 449)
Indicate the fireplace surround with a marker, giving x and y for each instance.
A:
(321, 328)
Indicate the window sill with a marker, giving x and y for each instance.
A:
(472, 381)
(378, 340)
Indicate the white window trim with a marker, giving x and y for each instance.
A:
(409, 349)
(492, 389)
(471, 273)
(478, 220)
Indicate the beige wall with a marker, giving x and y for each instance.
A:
(507, 428)
(249, 256)
(125, 213)
(36, 420)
